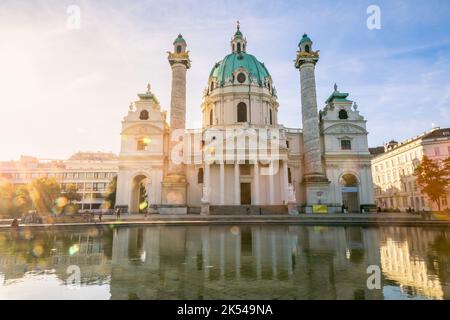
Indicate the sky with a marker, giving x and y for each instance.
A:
(64, 90)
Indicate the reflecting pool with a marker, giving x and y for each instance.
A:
(225, 262)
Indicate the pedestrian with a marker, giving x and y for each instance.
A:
(100, 216)
(118, 213)
(15, 223)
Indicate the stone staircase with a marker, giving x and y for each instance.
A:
(248, 210)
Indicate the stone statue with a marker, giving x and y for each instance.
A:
(291, 193)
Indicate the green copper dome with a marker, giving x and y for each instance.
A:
(222, 72)
(304, 39)
(179, 39)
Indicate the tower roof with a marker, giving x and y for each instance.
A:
(337, 96)
(179, 39)
(304, 38)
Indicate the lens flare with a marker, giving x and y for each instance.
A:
(143, 205)
(74, 249)
(235, 230)
(38, 250)
(61, 202)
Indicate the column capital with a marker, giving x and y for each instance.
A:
(179, 58)
(306, 58)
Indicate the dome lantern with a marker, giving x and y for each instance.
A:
(238, 42)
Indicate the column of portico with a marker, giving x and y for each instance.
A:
(271, 173)
(206, 197)
(222, 183)
(256, 180)
(237, 185)
(285, 182)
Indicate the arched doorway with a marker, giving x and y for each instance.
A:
(349, 188)
(139, 194)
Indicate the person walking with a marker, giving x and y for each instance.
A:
(100, 216)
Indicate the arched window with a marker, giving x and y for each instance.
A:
(346, 145)
(241, 77)
(211, 115)
(270, 117)
(142, 144)
(179, 49)
(241, 112)
(143, 115)
(238, 47)
(233, 47)
(307, 48)
(200, 175)
(343, 114)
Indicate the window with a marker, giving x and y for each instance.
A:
(343, 114)
(287, 144)
(200, 176)
(211, 115)
(178, 49)
(241, 78)
(143, 115)
(241, 112)
(142, 144)
(239, 47)
(289, 175)
(212, 86)
(307, 48)
(270, 117)
(346, 145)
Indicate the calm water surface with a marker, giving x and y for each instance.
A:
(225, 262)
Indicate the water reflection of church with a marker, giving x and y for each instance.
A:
(248, 262)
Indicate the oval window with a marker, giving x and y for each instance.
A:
(241, 78)
(143, 115)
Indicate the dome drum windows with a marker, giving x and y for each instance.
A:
(241, 112)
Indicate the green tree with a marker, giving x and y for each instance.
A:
(71, 193)
(110, 199)
(6, 198)
(432, 179)
(44, 192)
(143, 204)
(22, 200)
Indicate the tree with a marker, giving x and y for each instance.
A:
(6, 198)
(71, 193)
(110, 200)
(143, 204)
(44, 192)
(22, 200)
(432, 179)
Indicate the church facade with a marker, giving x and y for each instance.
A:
(242, 160)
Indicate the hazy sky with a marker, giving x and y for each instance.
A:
(65, 90)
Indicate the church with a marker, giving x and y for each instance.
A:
(242, 160)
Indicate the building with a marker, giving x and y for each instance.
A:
(242, 158)
(393, 170)
(90, 171)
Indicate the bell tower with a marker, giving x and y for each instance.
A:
(315, 179)
(174, 195)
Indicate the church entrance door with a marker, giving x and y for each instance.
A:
(246, 193)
